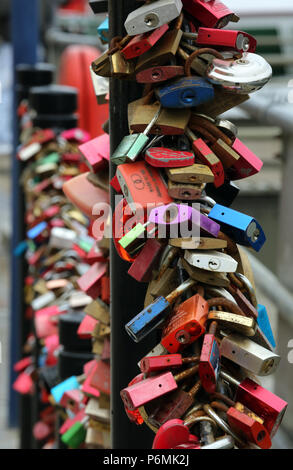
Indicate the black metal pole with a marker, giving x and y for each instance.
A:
(127, 294)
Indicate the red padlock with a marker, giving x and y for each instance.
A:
(143, 266)
(226, 39)
(209, 363)
(141, 43)
(90, 282)
(211, 14)
(96, 152)
(167, 158)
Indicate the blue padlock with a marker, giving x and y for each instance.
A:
(154, 315)
(103, 30)
(58, 391)
(242, 228)
(185, 92)
(263, 322)
(20, 248)
(37, 230)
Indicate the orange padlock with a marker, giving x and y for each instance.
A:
(186, 324)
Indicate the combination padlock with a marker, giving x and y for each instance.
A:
(242, 228)
(185, 325)
(151, 16)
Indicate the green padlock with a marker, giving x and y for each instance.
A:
(132, 145)
(75, 436)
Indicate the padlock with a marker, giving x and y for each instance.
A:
(142, 184)
(165, 284)
(206, 155)
(222, 102)
(240, 227)
(154, 315)
(169, 122)
(90, 282)
(186, 324)
(176, 404)
(153, 387)
(233, 322)
(163, 52)
(103, 30)
(72, 399)
(159, 73)
(168, 158)
(211, 260)
(143, 42)
(264, 403)
(206, 277)
(185, 191)
(96, 152)
(225, 39)
(225, 194)
(151, 364)
(202, 243)
(152, 16)
(264, 324)
(71, 383)
(131, 146)
(245, 75)
(216, 139)
(75, 436)
(95, 411)
(185, 93)
(209, 363)
(243, 422)
(197, 174)
(249, 355)
(211, 14)
(247, 165)
(120, 68)
(143, 266)
(99, 311)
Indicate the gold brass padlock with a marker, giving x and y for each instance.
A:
(170, 121)
(164, 51)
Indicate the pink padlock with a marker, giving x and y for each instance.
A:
(247, 165)
(96, 152)
(90, 282)
(172, 434)
(76, 134)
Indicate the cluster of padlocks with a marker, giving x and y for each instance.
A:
(67, 289)
(197, 388)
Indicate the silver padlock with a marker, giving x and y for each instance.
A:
(245, 75)
(249, 355)
(152, 16)
(211, 260)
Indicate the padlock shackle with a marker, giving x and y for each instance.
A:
(222, 424)
(221, 301)
(229, 378)
(186, 373)
(180, 290)
(195, 389)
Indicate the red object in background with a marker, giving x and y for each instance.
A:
(75, 71)
(78, 6)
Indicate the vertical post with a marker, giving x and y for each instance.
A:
(127, 295)
(24, 21)
(284, 376)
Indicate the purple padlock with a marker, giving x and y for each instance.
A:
(181, 221)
